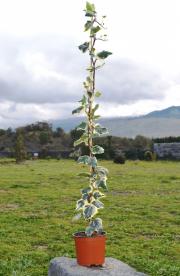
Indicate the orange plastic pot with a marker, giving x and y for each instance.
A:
(90, 250)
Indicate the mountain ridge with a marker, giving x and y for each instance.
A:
(170, 112)
(158, 123)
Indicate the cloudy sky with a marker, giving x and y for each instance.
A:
(42, 70)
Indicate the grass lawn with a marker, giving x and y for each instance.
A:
(141, 217)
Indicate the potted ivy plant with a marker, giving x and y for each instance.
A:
(90, 244)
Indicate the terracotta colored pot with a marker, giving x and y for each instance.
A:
(90, 250)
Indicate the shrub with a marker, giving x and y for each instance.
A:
(150, 156)
(119, 159)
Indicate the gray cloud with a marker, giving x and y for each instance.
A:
(51, 70)
(41, 78)
(126, 82)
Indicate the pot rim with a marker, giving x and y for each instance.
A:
(77, 235)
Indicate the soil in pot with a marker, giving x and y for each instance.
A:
(90, 251)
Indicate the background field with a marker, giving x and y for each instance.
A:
(37, 204)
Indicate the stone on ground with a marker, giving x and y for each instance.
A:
(64, 266)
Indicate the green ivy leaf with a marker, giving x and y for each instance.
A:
(94, 30)
(97, 150)
(82, 126)
(90, 14)
(79, 205)
(84, 159)
(88, 25)
(98, 204)
(90, 7)
(89, 211)
(84, 47)
(78, 110)
(103, 54)
(97, 94)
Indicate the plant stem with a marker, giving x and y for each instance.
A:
(91, 98)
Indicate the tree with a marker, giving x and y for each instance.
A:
(20, 150)
(59, 132)
(2, 132)
(44, 137)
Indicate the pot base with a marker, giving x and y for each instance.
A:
(90, 251)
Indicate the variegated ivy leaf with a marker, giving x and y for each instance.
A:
(95, 108)
(76, 217)
(82, 139)
(78, 110)
(89, 211)
(99, 130)
(97, 150)
(96, 224)
(83, 100)
(93, 162)
(96, 117)
(90, 68)
(89, 231)
(100, 65)
(82, 126)
(79, 205)
(98, 204)
(101, 184)
(86, 190)
(102, 171)
(88, 80)
(83, 159)
(85, 85)
(85, 196)
(98, 195)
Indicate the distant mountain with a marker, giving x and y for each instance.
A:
(160, 123)
(170, 112)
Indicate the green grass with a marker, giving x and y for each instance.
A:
(141, 217)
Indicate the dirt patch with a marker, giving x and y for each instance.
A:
(127, 193)
(3, 191)
(41, 247)
(8, 207)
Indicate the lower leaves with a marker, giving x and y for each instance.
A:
(94, 226)
(89, 211)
